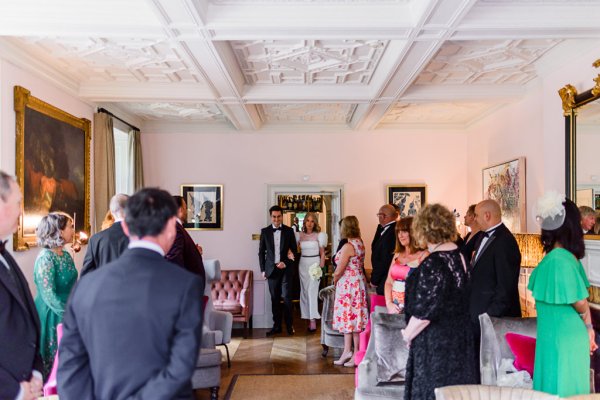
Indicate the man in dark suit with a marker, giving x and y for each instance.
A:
(276, 242)
(382, 247)
(20, 361)
(132, 329)
(184, 251)
(495, 267)
(107, 245)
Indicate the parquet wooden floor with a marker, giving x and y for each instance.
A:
(283, 354)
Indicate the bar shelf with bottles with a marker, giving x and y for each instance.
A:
(300, 203)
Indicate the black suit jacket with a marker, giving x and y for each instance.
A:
(495, 277)
(382, 253)
(131, 331)
(104, 247)
(185, 253)
(19, 331)
(266, 254)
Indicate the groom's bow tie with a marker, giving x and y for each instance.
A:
(276, 229)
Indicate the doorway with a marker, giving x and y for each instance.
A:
(296, 200)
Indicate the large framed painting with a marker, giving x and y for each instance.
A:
(505, 183)
(408, 198)
(204, 207)
(53, 165)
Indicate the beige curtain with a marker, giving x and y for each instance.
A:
(104, 166)
(135, 158)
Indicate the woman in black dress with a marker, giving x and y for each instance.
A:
(439, 330)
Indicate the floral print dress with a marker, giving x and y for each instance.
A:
(54, 277)
(350, 313)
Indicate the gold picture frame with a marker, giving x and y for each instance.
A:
(52, 165)
(204, 207)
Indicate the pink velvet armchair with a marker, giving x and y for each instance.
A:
(233, 293)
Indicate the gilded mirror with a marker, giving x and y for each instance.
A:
(582, 141)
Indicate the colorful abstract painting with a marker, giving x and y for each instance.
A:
(505, 183)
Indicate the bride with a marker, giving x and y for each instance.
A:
(311, 242)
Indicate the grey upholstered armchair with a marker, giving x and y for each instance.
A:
(329, 336)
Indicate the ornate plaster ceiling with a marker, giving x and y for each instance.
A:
(245, 64)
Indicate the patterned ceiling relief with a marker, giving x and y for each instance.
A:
(485, 62)
(308, 61)
(338, 113)
(174, 111)
(120, 60)
(437, 113)
(371, 2)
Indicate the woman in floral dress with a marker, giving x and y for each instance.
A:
(54, 276)
(350, 312)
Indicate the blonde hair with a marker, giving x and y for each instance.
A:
(349, 228)
(312, 215)
(434, 224)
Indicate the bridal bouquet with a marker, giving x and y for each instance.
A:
(315, 272)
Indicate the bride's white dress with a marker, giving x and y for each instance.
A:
(309, 288)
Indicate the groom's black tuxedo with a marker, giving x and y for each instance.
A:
(279, 279)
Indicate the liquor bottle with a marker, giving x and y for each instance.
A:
(295, 203)
(309, 203)
(290, 206)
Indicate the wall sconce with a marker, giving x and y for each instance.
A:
(79, 238)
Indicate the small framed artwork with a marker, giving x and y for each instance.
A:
(204, 207)
(596, 201)
(408, 198)
(505, 183)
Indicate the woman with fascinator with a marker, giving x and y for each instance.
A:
(565, 336)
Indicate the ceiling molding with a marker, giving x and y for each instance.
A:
(251, 65)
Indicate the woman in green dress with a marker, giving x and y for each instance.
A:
(565, 336)
(54, 275)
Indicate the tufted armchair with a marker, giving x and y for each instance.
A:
(233, 294)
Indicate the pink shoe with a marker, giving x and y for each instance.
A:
(344, 358)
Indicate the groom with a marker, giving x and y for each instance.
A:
(276, 241)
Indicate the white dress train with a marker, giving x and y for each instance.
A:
(309, 288)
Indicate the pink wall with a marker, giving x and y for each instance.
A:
(11, 76)
(534, 128)
(246, 162)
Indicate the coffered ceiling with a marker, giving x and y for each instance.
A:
(248, 64)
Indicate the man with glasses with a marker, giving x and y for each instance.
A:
(382, 247)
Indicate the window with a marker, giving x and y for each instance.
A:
(123, 182)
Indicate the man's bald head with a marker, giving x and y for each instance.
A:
(488, 214)
(387, 213)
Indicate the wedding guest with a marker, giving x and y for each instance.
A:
(565, 336)
(407, 256)
(311, 242)
(588, 219)
(107, 245)
(132, 329)
(350, 313)
(440, 339)
(382, 246)
(20, 361)
(473, 237)
(184, 252)
(54, 274)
